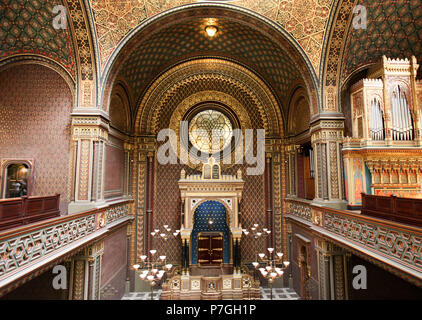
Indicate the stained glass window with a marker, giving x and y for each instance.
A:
(210, 131)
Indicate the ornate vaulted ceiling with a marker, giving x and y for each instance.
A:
(188, 39)
(305, 20)
(26, 28)
(394, 29)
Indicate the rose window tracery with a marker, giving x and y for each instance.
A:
(210, 131)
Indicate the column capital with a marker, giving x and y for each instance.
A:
(328, 248)
(90, 127)
(128, 146)
(327, 130)
(94, 250)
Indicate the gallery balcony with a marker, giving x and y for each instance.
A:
(384, 231)
(27, 250)
(16, 212)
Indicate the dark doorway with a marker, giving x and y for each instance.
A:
(210, 249)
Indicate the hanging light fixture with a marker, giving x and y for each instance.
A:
(210, 222)
(211, 31)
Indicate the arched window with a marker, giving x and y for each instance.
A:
(215, 172)
(210, 131)
(401, 119)
(376, 121)
(17, 179)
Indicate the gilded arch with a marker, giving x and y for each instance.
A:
(333, 56)
(229, 212)
(273, 32)
(43, 61)
(230, 73)
(85, 53)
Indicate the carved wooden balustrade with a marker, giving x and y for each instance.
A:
(27, 251)
(403, 210)
(395, 244)
(20, 211)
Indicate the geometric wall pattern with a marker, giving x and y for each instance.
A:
(394, 29)
(167, 209)
(202, 85)
(26, 27)
(305, 20)
(166, 189)
(188, 39)
(35, 108)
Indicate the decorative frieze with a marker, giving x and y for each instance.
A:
(25, 250)
(397, 244)
(388, 243)
(117, 212)
(299, 209)
(381, 171)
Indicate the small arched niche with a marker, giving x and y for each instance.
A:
(16, 180)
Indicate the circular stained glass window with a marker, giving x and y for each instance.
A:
(210, 131)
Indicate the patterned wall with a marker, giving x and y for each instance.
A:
(114, 265)
(201, 216)
(26, 26)
(167, 194)
(394, 29)
(35, 107)
(305, 20)
(167, 209)
(114, 169)
(188, 38)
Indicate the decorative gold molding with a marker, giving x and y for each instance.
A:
(230, 73)
(203, 96)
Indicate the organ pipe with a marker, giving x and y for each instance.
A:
(401, 122)
(376, 122)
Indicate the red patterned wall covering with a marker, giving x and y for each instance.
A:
(294, 261)
(300, 176)
(167, 209)
(114, 265)
(35, 107)
(167, 193)
(252, 211)
(114, 169)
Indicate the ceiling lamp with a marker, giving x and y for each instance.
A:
(211, 31)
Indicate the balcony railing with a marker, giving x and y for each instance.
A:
(21, 211)
(403, 210)
(26, 249)
(397, 244)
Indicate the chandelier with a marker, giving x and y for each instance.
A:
(257, 232)
(166, 234)
(152, 268)
(271, 266)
